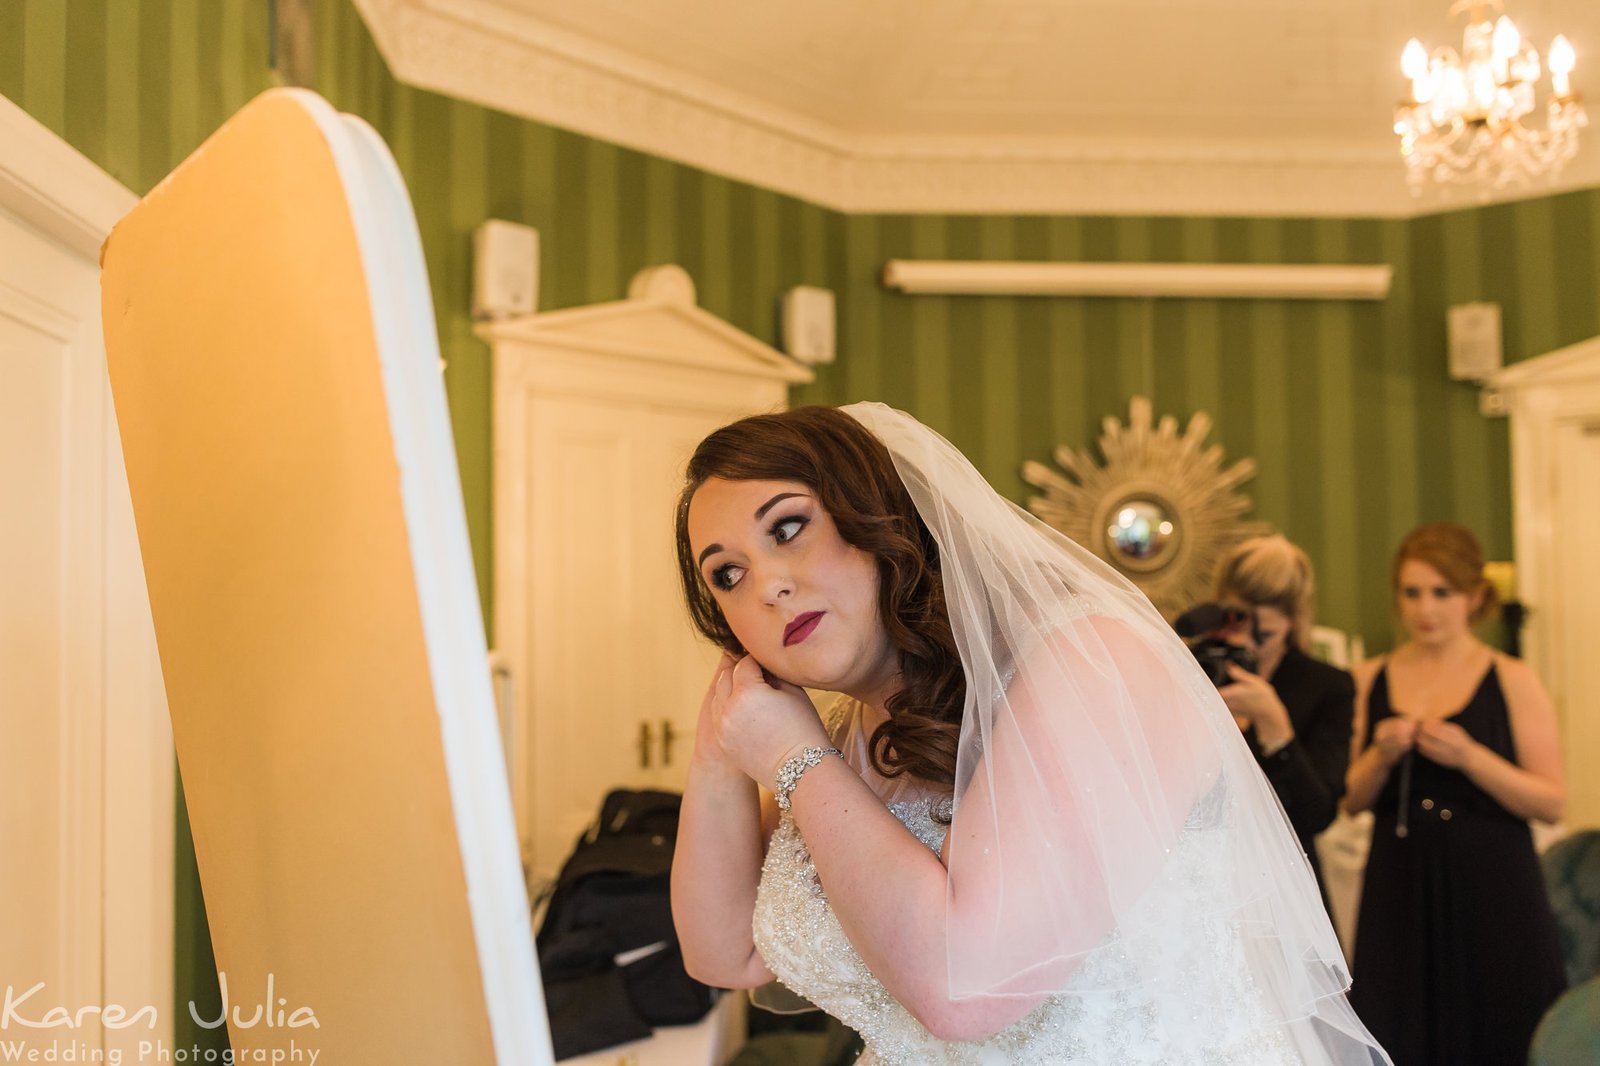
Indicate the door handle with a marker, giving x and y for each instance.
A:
(644, 745)
(668, 735)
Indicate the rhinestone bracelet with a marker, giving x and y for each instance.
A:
(790, 773)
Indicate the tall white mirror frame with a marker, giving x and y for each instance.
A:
(596, 410)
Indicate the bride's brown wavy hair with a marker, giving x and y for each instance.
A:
(855, 481)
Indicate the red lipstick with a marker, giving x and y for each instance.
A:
(801, 627)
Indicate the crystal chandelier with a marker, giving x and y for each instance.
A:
(1463, 121)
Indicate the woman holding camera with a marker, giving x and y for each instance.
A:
(1295, 710)
(1457, 955)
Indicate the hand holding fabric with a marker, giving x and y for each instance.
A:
(1445, 743)
(1393, 737)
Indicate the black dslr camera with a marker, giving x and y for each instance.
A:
(1202, 628)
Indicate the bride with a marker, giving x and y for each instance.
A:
(1026, 831)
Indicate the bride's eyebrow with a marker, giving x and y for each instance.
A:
(760, 511)
(770, 504)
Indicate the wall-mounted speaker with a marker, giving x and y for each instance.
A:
(1474, 333)
(808, 324)
(505, 269)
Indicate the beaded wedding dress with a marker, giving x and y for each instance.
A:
(1104, 1016)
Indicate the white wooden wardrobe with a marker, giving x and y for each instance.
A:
(596, 410)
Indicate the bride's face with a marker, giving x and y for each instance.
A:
(802, 601)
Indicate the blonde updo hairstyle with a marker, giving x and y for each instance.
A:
(1271, 572)
(1455, 553)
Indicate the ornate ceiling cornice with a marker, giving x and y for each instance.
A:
(482, 52)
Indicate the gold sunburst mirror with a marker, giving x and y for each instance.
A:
(1161, 508)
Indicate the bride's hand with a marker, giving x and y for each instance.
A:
(707, 748)
(760, 724)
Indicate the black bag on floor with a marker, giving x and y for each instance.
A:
(608, 952)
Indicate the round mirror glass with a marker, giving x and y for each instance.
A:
(1140, 530)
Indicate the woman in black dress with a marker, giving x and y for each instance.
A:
(1456, 954)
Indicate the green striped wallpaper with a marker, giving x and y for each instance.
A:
(135, 85)
(1347, 407)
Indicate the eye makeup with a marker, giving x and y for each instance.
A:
(723, 577)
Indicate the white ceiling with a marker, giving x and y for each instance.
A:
(1166, 106)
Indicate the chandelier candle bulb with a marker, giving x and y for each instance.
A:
(1507, 40)
(1414, 64)
(1562, 60)
(1414, 60)
(1507, 44)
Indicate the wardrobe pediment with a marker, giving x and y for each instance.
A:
(658, 323)
(1572, 365)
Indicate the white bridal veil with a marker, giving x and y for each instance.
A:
(1093, 751)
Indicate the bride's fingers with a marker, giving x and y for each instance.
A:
(747, 671)
(719, 675)
(724, 684)
(773, 679)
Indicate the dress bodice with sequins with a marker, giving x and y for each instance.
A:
(1102, 1017)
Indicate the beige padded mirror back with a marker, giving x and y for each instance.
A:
(275, 370)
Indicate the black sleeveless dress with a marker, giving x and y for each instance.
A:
(1457, 955)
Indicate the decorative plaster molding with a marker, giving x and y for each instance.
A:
(1186, 280)
(489, 54)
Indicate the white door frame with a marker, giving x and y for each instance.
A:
(1540, 394)
(121, 728)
